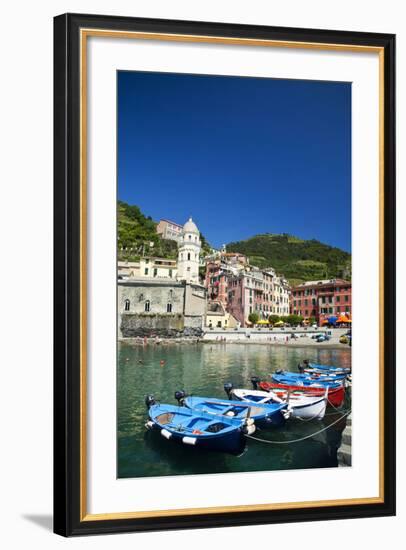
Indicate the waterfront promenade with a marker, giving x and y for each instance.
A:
(276, 337)
(287, 336)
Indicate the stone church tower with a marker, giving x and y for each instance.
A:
(188, 253)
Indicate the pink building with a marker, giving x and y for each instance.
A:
(246, 294)
(322, 300)
(216, 282)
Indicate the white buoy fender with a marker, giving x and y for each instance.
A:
(189, 440)
(149, 425)
(250, 429)
(166, 434)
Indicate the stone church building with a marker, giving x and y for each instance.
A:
(166, 307)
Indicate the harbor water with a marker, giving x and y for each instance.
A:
(202, 369)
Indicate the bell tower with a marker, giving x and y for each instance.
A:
(189, 253)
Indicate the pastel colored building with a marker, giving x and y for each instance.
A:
(216, 281)
(169, 230)
(322, 299)
(149, 267)
(128, 270)
(160, 268)
(218, 317)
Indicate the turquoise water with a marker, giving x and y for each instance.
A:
(202, 369)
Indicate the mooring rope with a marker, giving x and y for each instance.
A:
(301, 438)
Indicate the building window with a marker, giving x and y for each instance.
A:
(127, 305)
(155, 271)
(169, 308)
(170, 273)
(188, 256)
(146, 271)
(147, 306)
(346, 298)
(190, 237)
(337, 298)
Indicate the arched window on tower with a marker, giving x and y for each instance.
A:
(169, 307)
(127, 305)
(188, 255)
(147, 306)
(190, 237)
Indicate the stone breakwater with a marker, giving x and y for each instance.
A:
(344, 451)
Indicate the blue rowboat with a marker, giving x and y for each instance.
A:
(265, 416)
(306, 380)
(198, 429)
(316, 368)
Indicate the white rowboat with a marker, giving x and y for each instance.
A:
(302, 406)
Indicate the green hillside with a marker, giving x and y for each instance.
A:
(299, 260)
(137, 236)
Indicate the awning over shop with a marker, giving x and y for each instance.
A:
(344, 319)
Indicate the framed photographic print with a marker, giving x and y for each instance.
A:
(224, 274)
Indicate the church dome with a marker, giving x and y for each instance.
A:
(190, 227)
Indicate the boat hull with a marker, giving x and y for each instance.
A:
(198, 430)
(233, 442)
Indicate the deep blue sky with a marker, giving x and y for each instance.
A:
(242, 156)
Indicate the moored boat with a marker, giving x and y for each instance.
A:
(265, 416)
(302, 405)
(336, 392)
(316, 368)
(286, 377)
(198, 429)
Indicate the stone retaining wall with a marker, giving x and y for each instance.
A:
(134, 325)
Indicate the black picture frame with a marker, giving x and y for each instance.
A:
(67, 266)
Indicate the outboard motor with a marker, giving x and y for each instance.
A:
(149, 401)
(306, 362)
(180, 396)
(279, 371)
(301, 368)
(228, 388)
(255, 381)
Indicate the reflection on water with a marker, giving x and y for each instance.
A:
(202, 369)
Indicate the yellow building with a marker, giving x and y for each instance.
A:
(218, 317)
